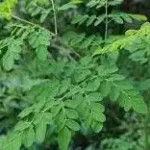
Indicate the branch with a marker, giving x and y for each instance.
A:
(30, 23)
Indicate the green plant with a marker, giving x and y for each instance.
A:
(54, 97)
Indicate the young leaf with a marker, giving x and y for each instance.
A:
(139, 17)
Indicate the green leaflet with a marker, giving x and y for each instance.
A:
(71, 113)
(45, 117)
(144, 85)
(8, 61)
(77, 99)
(67, 6)
(80, 76)
(39, 105)
(73, 125)
(76, 2)
(93, 85)
(105, 88)
(60, 121)
(26, 112)
(97, 4)
(98, 117)
(79, 19)
(115, 2)
(96, 107)
(41, 131)
(114, 93)
(28, 137)
(13, 142)
(139, 106)
(42, 52)
(64, 86)
(116, 77)
(64, 138)
(91, 20)
(139, 17)
(22, 125)
(72, 103)
(99, 20)
(94, 97)
(56, 110)
(97, 127)
(106, 69)
(44, 15)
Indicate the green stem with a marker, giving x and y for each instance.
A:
(106, 20)
(77, 87)
(24, 21)
(146, 125)
(106, 30)
(30, 23)
(146, 133)
(55, 17)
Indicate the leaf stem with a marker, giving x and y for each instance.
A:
(24, 21)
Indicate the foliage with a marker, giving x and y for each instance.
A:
(51, 86)
(140, 52)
